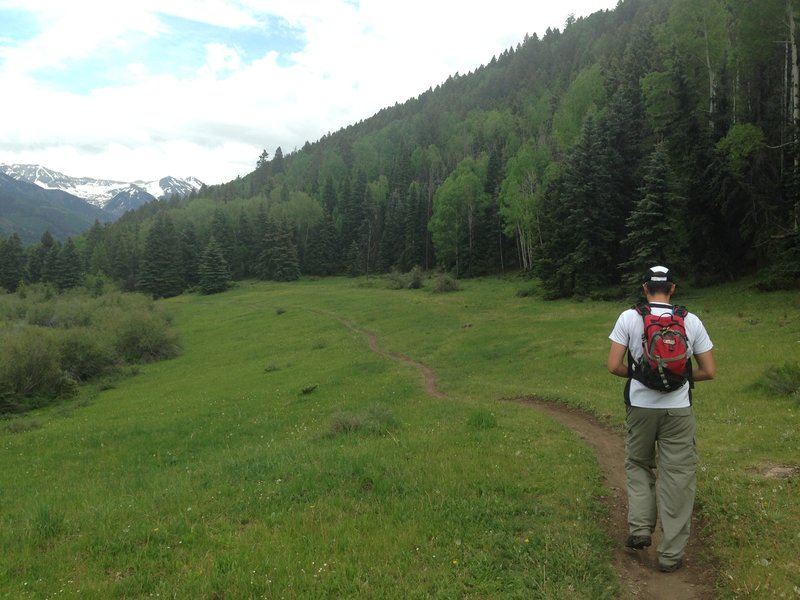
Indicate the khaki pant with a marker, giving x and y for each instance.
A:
(661, 440)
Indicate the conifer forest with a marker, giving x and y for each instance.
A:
(663, 131)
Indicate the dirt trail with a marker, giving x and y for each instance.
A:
(637, 570)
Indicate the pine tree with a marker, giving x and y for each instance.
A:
(160, 269)
(189, 256)
(329, 197)
(213, 272)
(244, 260)
(265, 260)
(38, 258)
(125, 259)
(222, 230)
(50, 265)
(591, 224)
(392, 242)
(277, 166)
(286, 263)
(654, 234)
(415, 228)
(69, 271)
(12, 263)
(322, 254)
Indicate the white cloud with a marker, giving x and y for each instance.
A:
(213, 120)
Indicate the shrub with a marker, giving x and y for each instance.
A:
(413, 280)
(416, 278)
(445, 283)
(51, 342)
(141, 336)
(29, 368)
(85, 354)
(395, 280)
(73, 310)
(784, 380)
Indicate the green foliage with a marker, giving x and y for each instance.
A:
(278, 259)
(12, 263)
(29, 368)
(444, 283)
(782, 380)
(413, 280)
(585, 96)
(655, 231)
(521, 197)
(739, 144)
(85, 354)
(457, 206)
(416, 279)
(213, 273)
(51, 342)
(581, 220)
(160, 272)
(142, 336)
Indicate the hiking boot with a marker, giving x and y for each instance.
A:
(664, 568)
(637, 542)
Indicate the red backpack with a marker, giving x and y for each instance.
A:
(665, 364)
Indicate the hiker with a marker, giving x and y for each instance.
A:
(659, 423)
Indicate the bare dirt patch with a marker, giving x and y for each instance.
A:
(637, 570)
(778, 471)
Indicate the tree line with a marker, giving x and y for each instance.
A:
(661, 131)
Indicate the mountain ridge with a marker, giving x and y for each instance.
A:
(117, 197)
(35, 199)
(29, 210)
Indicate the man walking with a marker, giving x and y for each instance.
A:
(659, 423)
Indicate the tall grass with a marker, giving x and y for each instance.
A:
(214, 475)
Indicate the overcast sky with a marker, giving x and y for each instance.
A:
(137, 90)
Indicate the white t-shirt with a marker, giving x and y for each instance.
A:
(628, 332)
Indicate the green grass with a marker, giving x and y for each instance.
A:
(279, 457)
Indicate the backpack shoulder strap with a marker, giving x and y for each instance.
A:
(680, 311)
(643, 308)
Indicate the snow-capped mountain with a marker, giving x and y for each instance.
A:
(116, 197)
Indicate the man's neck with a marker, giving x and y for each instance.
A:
(658, 298)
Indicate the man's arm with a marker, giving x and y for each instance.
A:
(706, 367)
(616, 356)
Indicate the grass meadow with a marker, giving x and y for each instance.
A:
(280, 457)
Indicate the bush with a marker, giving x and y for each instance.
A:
(416, 278)
(784, 381)
(29, 369)
(445, 283)
(51, 342)
(85, 354)
(141, 336)
(413, 280)
(395, 280)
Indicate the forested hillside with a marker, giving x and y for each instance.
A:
(661, 131)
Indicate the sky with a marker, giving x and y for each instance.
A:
(138, 90)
